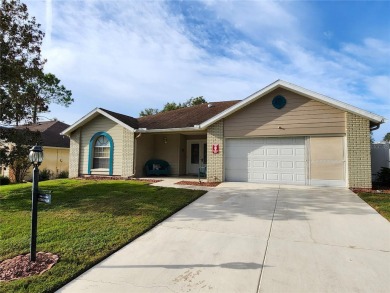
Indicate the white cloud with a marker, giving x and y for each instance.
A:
(261, 20)
(379, 86)
(131, 55)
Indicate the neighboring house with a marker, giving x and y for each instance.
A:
(55, 147)
(380, 157)
(282, 134)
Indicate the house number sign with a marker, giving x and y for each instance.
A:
(215, 148)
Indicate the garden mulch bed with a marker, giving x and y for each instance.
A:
(96, 178)
(372, 190)
(198, 183)
(21, 266)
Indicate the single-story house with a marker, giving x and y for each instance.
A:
(55, 147)
(282, 134)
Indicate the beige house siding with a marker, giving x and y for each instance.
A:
(300, 116)
(169, 151)
(74, 154)
(215, 167)
(144, 151)
(55, 160)
(359, 156)
(102, 124)
(327, 158)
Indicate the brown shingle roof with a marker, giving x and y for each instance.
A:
(184, 117)
(132, 122)
(50, 133)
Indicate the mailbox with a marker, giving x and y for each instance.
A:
(44, 196)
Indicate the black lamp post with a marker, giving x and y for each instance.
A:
(36, 158)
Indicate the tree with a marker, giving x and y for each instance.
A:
(196, 101)
(46, 89)
(14, 150)
(148, 111)
(173, 106)
(387, 137)
(20, 59)
(25, 90)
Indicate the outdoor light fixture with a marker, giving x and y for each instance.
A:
(36, 157)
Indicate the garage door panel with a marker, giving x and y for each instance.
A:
(237, 163)
(272, 152)
(239, 177)
(287, 177)
(272, 160)
(287, 152)
(257, 164)
(272, 164)
(272, 177)
(287, 164)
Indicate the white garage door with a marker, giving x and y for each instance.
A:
(265, 160)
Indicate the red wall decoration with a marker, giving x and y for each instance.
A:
(215, 148)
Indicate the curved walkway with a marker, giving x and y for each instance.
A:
(242, 237)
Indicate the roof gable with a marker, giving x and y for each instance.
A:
(299, 90)
(127, 122)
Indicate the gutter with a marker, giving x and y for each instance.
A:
(145, 130)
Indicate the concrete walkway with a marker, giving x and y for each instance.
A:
(243, 237)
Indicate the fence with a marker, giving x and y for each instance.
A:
(380, 157)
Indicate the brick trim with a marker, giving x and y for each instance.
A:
(215, 166)
(359, 152)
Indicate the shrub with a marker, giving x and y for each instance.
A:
(63, 174)
(4, 180)
(45, 174)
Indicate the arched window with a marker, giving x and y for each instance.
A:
(101, 153)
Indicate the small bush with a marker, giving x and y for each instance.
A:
(4, 180)
(63, 174)
(45, 174)
(383, 176)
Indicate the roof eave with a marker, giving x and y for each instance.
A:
(181, 129)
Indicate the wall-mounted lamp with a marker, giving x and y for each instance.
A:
(165, 139)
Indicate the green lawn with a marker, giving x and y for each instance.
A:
(379, 201)
(87, 221)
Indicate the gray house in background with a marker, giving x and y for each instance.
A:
(380, 157)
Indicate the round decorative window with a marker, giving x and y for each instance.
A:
(279, 102)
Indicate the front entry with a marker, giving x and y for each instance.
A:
(196, 155)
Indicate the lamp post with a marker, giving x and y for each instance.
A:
(35, 157)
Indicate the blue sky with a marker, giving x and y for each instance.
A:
(129, 55)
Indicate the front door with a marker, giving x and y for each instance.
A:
(196, 155)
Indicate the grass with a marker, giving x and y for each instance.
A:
(379, 201)
(86, 222)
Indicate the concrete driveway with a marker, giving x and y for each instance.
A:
(243, 237)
